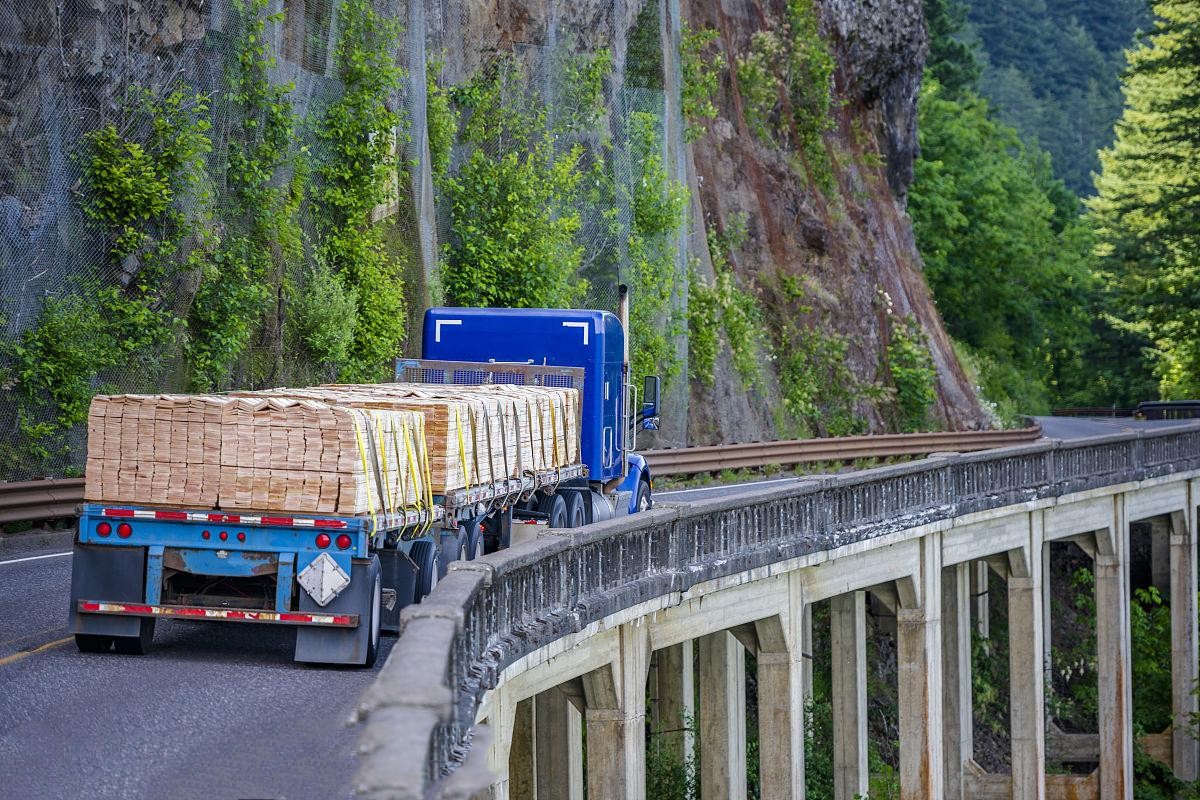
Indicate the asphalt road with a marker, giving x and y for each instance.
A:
(1080, 427)
(215, 711)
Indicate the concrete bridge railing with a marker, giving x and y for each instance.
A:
(420, 737)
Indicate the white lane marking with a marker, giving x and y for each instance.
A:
(726, 487)
(35, 558)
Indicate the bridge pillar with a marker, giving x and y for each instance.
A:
(557, 746)
(722, 717)
(848, 637)
(673, 709)
(1025, 667)
(919, 655)
(957, 717)
(616, 720)
(1115, 690)
(522, 766)
(979, 598)
(781, 696)
(1184, 668)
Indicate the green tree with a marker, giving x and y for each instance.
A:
(1147, 211)
(1004, 254)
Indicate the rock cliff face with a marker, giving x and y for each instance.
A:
(848, 246)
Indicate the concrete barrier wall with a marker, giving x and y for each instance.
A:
(419, 738)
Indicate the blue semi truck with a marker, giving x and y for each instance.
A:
(342, 580)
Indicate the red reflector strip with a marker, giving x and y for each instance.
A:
(170, 515)
(329, 523)
(221, 614)
(118, 512)
(276, 520)
(224, 518)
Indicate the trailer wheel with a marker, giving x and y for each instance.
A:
(428, 559)
(575, 514)
(376, 617)
(137, 645)
(555, 509)
(93, 643)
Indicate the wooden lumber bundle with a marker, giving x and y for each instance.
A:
(254, 453)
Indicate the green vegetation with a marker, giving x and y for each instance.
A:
(441, 122)
(1050, 70)
(723, 311)
(512, 214)
(1147, 211)
(235, 284)
(358, 175)
(786, 85)
(701, 69)
(911, 369)
(658, 204)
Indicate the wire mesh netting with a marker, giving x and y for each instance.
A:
(68, 71)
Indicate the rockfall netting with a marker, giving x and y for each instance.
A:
(158, 233)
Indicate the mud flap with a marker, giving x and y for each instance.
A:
(101, 572)
(400, 577)
(316, 645)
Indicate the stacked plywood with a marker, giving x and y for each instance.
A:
(357, 449)
(254, 453)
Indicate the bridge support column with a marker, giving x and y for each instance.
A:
(557, 746)
(781, 695)
(1185, 670)
(1025, 667)
(722, 717)
(957, 717)
(919, 653)
(848, 637)
(522, 763)
(979, 598)
(673, 713)
(616, 721)
(1113, 659)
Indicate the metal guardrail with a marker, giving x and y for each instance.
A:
(694, 460)
(420, 739)
(1092, 411)
(35, 501)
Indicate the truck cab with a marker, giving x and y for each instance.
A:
(593, 341)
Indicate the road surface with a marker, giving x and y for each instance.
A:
(216, 711)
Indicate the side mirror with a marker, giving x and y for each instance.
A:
(650, 398)
(650, 394)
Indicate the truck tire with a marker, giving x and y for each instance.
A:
(576, 517)
(137, 645)
(555, 509)
(428, 559)
(644, 501)
(374, 622)
(93, 643)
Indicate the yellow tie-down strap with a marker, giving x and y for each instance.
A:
(366, 465)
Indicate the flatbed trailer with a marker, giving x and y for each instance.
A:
(342, 580)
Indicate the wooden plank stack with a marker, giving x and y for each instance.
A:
(254, 453)
(339, 449)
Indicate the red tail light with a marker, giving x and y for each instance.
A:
(205, 535)
(343, 541)
(124, 530)
(104, 529)
(224, 535)
(241, 536)
(323, 540)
